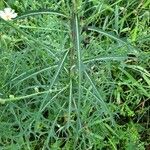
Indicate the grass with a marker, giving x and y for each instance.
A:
(75, 75)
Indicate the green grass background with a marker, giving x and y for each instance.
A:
(75, 75)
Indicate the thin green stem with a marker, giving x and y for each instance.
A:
(76, 44)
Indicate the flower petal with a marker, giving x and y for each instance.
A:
(14, 15)
(7, 10)
(2, 15)
(8, 14)
(1, 12)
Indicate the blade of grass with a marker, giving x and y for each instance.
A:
(52, 130)
(13, 98)
(20, 127)
(115, 58)
(58, 93)
(60, 65)
(114, 37)
(135, 82)
(139, 68)
(70, 103)
(116, 18)
(41, 28)
(76, 43)
(107, 34)
(99, 97)
(30, 37)
(40, 12)
(28, 76)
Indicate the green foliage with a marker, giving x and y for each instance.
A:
(75, 75)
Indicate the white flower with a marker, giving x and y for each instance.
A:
(8, 14)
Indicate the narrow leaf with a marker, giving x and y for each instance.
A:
(40, 12)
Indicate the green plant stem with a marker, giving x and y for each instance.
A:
(77, 49)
